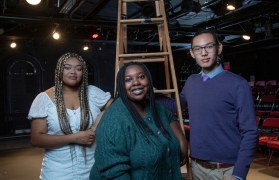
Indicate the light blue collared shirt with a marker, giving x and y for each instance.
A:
(213, 73)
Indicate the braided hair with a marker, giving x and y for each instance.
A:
(59, 99)
(121, 92)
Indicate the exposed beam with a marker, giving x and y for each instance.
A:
(51, 20)
(253, 46)
(233, 18)
(97, 8)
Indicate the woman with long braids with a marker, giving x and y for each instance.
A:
(137, 138)
(64, 119)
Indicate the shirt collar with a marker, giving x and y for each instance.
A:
(214, 72)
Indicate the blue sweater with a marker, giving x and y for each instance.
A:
(222, 120)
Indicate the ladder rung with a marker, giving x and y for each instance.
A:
(164, 91)
(139, 0)
(143, 54)
(144, 60)
(142, 21)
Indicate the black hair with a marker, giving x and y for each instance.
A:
(121, 92)
(206, 31)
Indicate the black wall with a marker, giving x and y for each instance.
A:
(261, 63)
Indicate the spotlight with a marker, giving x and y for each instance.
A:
(246, 33)
(13, 45)
(33, 2)
(56, 35)
(246, 37)
(230, 7)
(85, 48)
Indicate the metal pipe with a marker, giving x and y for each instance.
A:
(47, 20)
(4, 7)
(58, 4)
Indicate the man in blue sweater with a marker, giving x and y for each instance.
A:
(223, 130)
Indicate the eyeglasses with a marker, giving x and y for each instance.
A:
(208, 48)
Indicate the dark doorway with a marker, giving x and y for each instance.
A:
(23, 83)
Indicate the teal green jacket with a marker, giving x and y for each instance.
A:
(123, 153)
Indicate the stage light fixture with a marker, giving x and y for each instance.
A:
(246, 37)
(13, 45)
(85, 47)
(33, 2)
(56, 35)
(246, 34)
(231, 5)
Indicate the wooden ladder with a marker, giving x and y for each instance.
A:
(164, 56)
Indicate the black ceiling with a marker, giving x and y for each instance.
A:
(78, 19)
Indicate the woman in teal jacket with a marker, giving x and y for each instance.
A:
(137, 138)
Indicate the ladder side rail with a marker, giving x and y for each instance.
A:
(162, 7)
(124, 27)
(118, 38)
(163, 40)
(158, 14)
